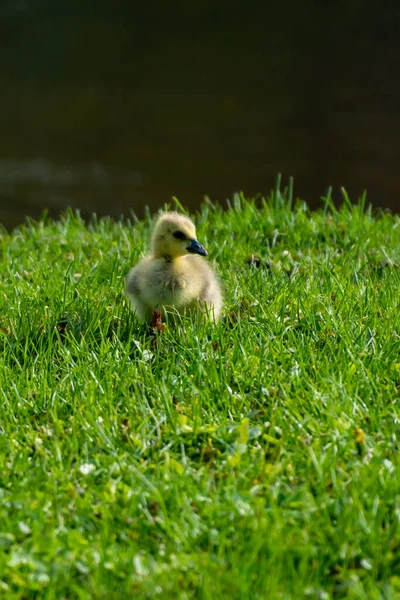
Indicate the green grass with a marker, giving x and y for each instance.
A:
(257, 459)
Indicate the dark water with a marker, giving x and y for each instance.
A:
(109, 107)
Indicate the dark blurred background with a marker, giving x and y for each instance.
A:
(111, 106)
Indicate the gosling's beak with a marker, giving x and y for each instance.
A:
(196, 248)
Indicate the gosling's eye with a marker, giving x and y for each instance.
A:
(179, 235)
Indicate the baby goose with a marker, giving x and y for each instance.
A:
(173, 277)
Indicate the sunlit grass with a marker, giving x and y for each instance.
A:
(258, 458)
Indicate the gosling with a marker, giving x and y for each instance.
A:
(174, 277)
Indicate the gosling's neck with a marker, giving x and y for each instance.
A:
(162, 251)
(167, 258)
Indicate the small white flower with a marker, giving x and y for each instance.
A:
(389, 465)
(86, 468)
(295, 370)
(366, 564)
(24, 528)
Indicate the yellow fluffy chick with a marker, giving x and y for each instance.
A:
(174, 277)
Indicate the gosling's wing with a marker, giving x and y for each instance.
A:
(212, 293)
(134, 288)
(210, 289)
(136, 279)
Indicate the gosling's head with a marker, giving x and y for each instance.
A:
(175, 235)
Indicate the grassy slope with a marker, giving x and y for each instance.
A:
(255, 459)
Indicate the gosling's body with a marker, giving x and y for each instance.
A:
(174, 278)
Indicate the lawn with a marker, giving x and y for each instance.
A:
(255, 459)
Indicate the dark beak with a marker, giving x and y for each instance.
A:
(196, 248)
